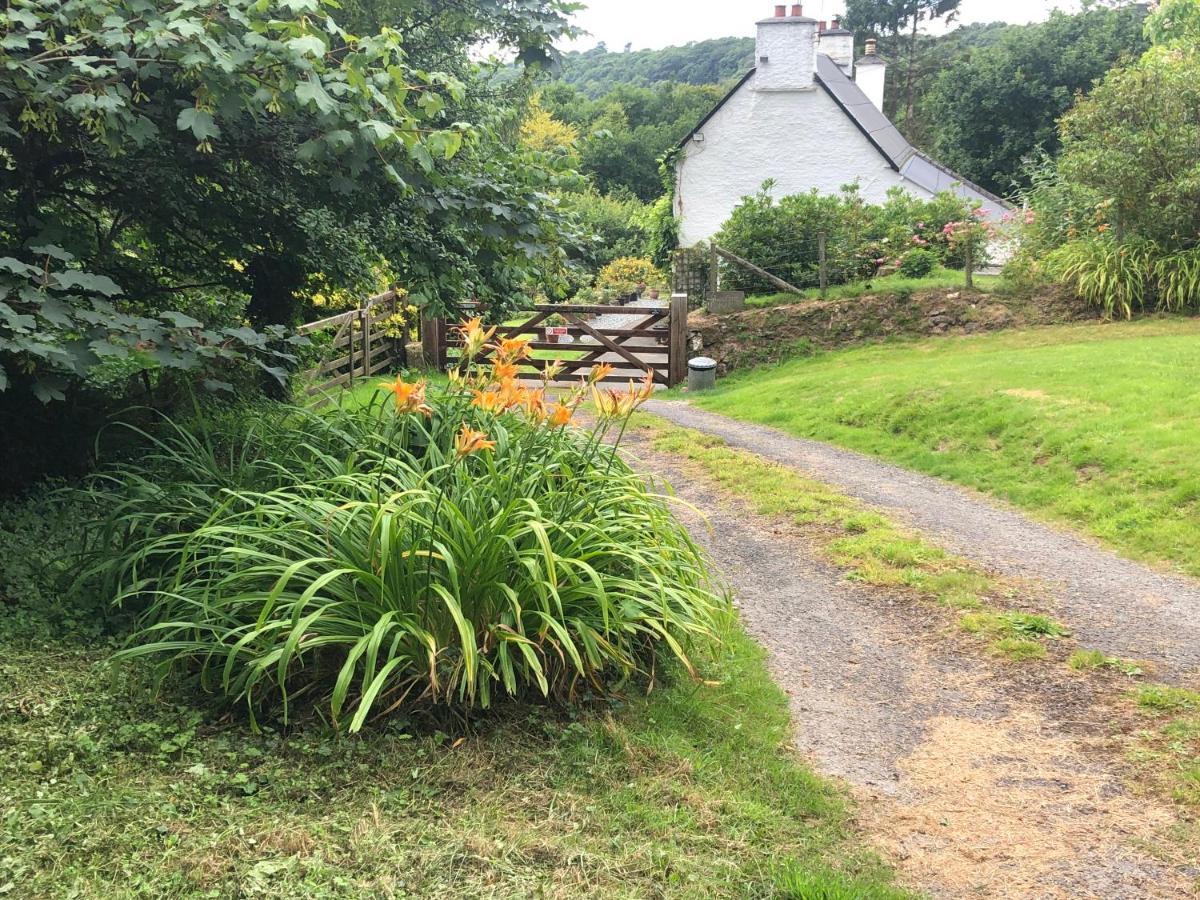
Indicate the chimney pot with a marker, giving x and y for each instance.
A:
(780, 12)
(797, 10)
(821, 27)
(872, 46)
(837, 22)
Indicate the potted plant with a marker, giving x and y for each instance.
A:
(556, 330)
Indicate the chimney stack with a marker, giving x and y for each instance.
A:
(786, 51)
(871, 74)
(821, 26)
(838, 44)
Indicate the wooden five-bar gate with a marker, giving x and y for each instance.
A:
(357, 349)
(633, 339)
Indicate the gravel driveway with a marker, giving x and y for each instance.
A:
(972, 778)
(1112, 604)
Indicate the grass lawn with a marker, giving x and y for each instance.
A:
(939, 279)
(1093, 425)
(110, 788)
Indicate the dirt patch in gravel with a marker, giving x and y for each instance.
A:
(977, 778)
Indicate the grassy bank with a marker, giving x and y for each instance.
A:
(112, 788)
(939, 279)
(1092, 425)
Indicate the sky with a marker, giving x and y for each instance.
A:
(651, 24)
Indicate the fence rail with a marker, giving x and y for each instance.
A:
(358, 349)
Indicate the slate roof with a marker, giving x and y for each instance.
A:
(917, 167)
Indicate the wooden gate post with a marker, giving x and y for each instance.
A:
(824, 262)
(677, 349)
(431, 341)
(364, 316)
(714, 273)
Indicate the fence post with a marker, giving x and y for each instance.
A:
(431, 340)
(821, 248)
(714, 272)
(970, 265)
(364, 316)
(677, 349)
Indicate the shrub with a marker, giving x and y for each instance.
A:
(622, 276)
(391, 556)
(1109, 275)
(783, 237)
(918, 263)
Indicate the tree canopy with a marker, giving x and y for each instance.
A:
(206, 161)
(991, 109)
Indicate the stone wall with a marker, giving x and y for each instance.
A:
(759, 336)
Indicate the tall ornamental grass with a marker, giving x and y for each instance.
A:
(446, 550)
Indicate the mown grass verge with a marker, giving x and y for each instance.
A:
(1168, 749)
(1090, 425)
(112, 788)
(871, 549)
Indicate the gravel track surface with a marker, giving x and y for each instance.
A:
(975, 778)
(1112, 604)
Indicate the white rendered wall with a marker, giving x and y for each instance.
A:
(839, 48)
(873, 81)
(790, 48)
(801, 139)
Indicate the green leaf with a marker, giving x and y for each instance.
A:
(179, 320)
(307, 45)
(99, 284)
(313, 92)
(200, 122)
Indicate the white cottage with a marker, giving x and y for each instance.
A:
(807, 116)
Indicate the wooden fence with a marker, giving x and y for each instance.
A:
(634, 339)
(359, 349)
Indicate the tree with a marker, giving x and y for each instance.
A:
(896, 17)
(997, 106)
(217, 158)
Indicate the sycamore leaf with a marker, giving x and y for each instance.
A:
(200, 122)
(179, 320)
(53, 251)
(312, 91)
(49, 387)
(99, 284)
(307, 45)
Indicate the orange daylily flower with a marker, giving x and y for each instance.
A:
(513, 348)
(647, 388)
(504, 371)
(469, 441)
(475, 336)
(562, 416)
(600, 372)
(409, 397)
(488, 401)
(534, 403)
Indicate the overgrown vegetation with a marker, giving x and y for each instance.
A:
(1116, 213)
(863, 240)
(1083, 425)
(446, 552)
(112, 788)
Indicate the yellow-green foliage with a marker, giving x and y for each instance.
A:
(623, 276)
(541, 131)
